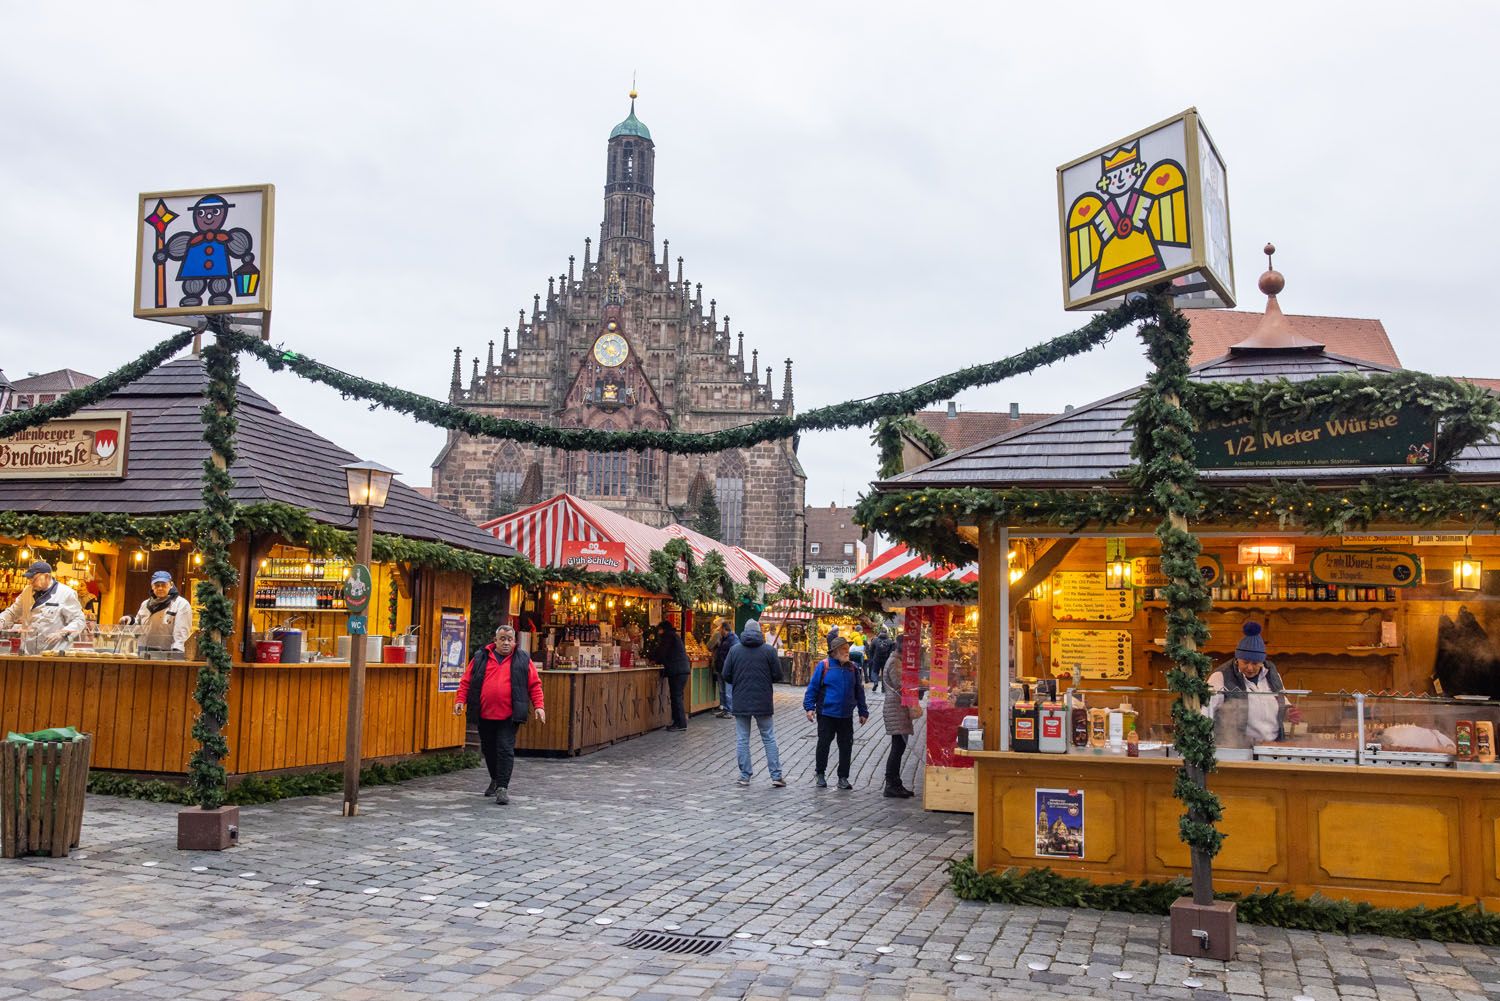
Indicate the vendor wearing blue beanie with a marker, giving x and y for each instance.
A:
(1248, 706)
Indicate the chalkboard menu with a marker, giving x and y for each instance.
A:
(1091, 654)
(1080, 596)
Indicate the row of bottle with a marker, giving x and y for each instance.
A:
(1293, 586)
(585, 634)
(1475, 740)
(327, 596)
(309, 569)
(1048, 727)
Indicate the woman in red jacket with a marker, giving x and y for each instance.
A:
(488, 691)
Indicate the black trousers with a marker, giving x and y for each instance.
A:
(893, 760)
(677, 689)
(830, 727)
(497, 742)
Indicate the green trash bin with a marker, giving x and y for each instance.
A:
(43, 776)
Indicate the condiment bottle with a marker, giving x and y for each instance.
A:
(1098, 727)
(1463, 736)
(1484, 740)
(1116, 728)
(1132, 745)
(1128, 712)
(1080, 720)
(1023, 726)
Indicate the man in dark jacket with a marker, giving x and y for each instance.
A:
(751, 669)
(673, 658)
(499, 689)
(833, 694)
(879, 652)
(727, 642)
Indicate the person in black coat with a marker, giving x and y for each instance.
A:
(673, 658)
(880, 651)
(727, 641)
(750, 670)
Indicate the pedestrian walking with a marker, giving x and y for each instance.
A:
(499, 691)
(727, 641)
(751, 669)
(898, 725)
(833, 695)
(880, 649)
(673, 658)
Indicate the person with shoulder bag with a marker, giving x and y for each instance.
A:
(499, 690)
(835, 692)
(898, 723)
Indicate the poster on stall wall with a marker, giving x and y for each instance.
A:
(452, 633)
(1059, 823)
(937, 682)
(911, 655)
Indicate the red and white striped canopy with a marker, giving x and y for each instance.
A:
(739, 561)
(899, 561)
(818, 601)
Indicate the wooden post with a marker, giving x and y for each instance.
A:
(994, 627)
(354, 731)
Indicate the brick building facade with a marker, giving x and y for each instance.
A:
(624, 340)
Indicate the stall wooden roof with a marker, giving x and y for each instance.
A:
(1089, 445)
(278, 460)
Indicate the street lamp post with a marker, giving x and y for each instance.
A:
(369, 484)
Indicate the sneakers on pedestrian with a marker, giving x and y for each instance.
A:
(489, 790)
(821, 783)
(676, 729)
(502, 796)
(778, 783)
(742, 781)
(898, 792)
(844, 784)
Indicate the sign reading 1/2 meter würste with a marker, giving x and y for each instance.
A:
(1404, 438)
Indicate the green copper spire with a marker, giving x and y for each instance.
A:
(631, 126)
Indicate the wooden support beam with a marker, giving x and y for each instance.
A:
(1042, 568)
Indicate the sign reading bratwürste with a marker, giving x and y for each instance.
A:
(1404, 438)
(89, 445)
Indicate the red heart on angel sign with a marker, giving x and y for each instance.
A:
(1163, 177)
(1083, 210)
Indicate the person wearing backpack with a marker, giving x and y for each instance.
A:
(835, 692)
(880, 651)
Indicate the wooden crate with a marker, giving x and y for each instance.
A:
(43, 816)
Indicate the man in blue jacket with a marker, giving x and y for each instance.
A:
(751, 671)
(833, 694)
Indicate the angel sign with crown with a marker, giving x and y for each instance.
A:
(1148, 209)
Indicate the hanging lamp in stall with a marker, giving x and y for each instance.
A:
(1467, 571)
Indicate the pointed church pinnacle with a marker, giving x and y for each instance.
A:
(458, 361)
(786, 386)
(490, 366)
(536, 306)
(739, 351)
(713, 313)
(768, 380)
(666, 251)
(551, 289)
(520, 324)
(754, 362)
(505, 346)
(588, 244)
(474, 381)
(679, 270)
(570, 269)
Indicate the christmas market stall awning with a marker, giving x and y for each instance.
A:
(900, 562)
(816, 602)
(278, 463)
(741, 563)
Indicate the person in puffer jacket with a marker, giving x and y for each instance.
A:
(835, 691)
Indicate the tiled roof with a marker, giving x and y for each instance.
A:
(831, 527)
(60, 381)
(278, 460)
(1493, 385)
(1089, 445)
(1216, 330)
(971, 427)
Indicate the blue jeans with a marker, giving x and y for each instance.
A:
(724, 703)
(767, 738)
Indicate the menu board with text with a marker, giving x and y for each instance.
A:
(1091, 654)
(1080, 596)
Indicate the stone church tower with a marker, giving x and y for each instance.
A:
(619, 342)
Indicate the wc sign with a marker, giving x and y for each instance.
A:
(594, 556)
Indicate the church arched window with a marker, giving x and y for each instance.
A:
(509, 476)
(729, 492)
(646, 473)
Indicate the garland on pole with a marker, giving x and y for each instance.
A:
(71, 402)
(1163, 450)
(854, 413)
(874, 595)
(887, 438)
(206, 774)
(1466, 414)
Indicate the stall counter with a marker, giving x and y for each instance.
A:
(587, 710)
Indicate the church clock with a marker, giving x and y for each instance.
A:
(611, 349)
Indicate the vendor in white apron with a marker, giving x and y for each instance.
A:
(166, 615)
(47, 611)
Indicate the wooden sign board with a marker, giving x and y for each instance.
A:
(594, 556)
(1145, 571)
(91, 444)
(203, 252)
(1150, 208)
(1404, 438)
(1080, 596)
(1365, 568)
(1092, 654)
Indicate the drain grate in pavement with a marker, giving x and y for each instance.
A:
(678, 944)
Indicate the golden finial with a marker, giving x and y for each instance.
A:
(633, 94)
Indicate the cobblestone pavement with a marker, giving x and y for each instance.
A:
(436, 891)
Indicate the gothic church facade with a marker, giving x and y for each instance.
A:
(626, 341)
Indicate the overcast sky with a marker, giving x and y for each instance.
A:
(866, 188)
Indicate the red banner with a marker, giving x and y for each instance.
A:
(596, 557)
(937, 682)
(911, 655)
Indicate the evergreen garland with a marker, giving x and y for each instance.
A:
(1046, 888)
(887, 439)
(206, 774)
(854, 413)
(1164, 470)
(874, 595)
(71, 402)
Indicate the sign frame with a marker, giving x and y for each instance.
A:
(576, 553)
(1068, 801)
(359, 606)
(1416, 560)
(250, 312)
(1210, 282)
(1210, 443)
(453, 636)
(121, 448)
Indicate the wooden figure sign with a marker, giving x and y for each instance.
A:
(1150, 208)
(204, 251)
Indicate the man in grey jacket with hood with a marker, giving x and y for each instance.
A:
(750, 671)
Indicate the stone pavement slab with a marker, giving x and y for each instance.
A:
(436, 891)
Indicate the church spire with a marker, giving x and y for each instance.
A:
(626, 236)
(786, 389)
(457, 385)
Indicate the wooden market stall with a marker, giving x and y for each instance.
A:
(106, 534)
(593, 641)
(1381, 786)
(937, 608)
(797, 626)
